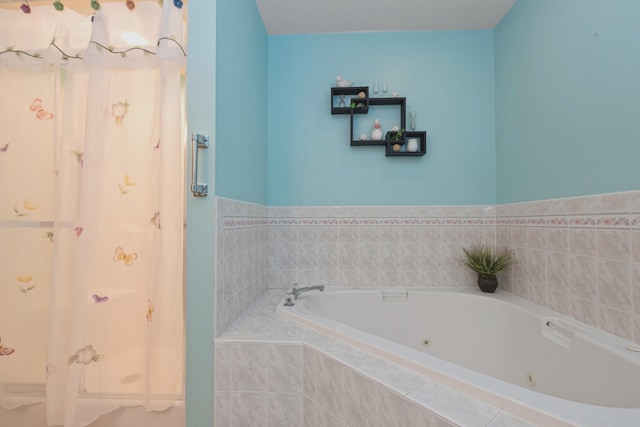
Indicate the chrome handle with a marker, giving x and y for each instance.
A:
(198, 140)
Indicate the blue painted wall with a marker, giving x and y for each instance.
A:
(226, 97)
(447, 77)
(200, 234)
(567, 99)
(241, 115)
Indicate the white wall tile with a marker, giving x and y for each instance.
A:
(430, 235)
(560, 301)
(635, 245)
(635, 290)
(248, 372)
(588, 204)
(614, 284)
(536, 238)
(369, 278)
(222, 409)
(222, 367)
(368, 234)
(362, 404)
(432, 420)
(614, 244)
(369, 257)
(307, 256)
(283, 410)
(537, 267)
(330, 385)
(248, 409)
(284, 367)
(432, 258)
(315, 415)
(583, 242)
(583, 277)
(311, 366)
(620, 202)
(615, 321)
(394, 409)
(636, 328)
(585, 310)
(557, 239)
(519, 237)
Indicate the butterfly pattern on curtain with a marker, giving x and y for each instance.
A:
(26, 224)
(26, 284)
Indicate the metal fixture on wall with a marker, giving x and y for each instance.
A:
(198, 140)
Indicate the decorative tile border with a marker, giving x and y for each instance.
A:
(240, 222)
(603, 221)
(341, 221)
(231, 223)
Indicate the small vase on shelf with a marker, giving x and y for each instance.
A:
(412, 145)
(376, 132)
(412, 120)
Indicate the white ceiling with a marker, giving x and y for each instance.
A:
(335, 16)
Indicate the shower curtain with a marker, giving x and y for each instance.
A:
(91, 209)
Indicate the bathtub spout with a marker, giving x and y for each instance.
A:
(297, 291)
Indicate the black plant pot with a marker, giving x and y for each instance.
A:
(487, 284)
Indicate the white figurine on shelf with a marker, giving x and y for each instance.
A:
(342, 82)
(376, 132)
(394, 94)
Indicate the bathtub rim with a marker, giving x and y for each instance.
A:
(516, 400)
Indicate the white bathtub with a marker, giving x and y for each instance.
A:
(543, 367)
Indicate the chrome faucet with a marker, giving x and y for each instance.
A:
(297, 291)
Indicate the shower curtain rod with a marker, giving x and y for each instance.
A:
(80, 6)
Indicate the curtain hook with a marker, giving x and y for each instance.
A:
(58, 5)
(130, 5)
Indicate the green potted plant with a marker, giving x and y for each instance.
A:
(360, 107)
(396, 135)
(487, 262)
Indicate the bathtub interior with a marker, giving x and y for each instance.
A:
(500, 335)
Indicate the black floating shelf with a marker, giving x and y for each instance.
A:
(362, 105)
(421, 136)
(348, 93)
(366, 142)
(372, 102)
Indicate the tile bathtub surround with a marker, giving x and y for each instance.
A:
(241, 258)
(271, 369)
(578, 256)
(374, 246)
(258, 383)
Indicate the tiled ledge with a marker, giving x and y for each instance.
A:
(260, 324)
